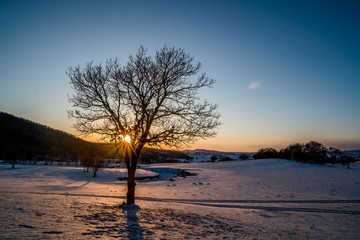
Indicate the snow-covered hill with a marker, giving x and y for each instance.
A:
(203, 155)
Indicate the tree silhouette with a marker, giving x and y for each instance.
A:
(334, 154)
(293, 152)
(266, 153)
(155, 101)
(316, 152)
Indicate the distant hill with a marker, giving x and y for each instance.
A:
(23, 139)
(353, 153)
(212, 152)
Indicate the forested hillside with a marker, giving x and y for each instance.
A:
(24, 139)
(21, 139)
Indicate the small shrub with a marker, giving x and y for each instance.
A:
(213, 158)
(243, 156)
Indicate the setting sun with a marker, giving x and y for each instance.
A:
(127, 138)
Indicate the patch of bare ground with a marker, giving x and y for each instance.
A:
(137, 223)
(47, 216)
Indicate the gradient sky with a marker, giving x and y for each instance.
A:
(287, 71)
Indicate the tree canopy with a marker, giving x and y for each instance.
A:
(154, 100)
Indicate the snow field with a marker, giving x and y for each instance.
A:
(262, 199)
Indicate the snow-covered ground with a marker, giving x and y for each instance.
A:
(257, 199)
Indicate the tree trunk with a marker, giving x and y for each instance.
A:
(130, 196)
(131, 159)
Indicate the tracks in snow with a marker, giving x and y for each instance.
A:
(240, 204)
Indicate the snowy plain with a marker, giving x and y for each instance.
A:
(255, 199)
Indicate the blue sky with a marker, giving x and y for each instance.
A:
(302, 59)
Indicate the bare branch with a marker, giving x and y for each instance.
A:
(155, 100)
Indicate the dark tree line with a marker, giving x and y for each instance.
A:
(311, 152)
(24, 140)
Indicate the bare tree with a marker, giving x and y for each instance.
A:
(150, 100)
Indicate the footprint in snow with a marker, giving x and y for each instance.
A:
(201, 183)
(25, 226)
(52, 232)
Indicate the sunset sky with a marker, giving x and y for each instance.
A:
(287, 71)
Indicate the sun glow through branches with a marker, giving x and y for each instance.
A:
(127, 139)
